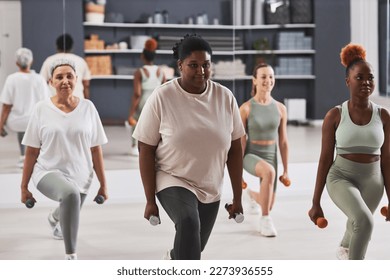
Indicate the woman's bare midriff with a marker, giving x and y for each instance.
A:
(361, 158)
(263, 142)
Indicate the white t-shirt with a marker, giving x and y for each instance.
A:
(193, 135)
(22, 91)
(82, 71)
(65, 141)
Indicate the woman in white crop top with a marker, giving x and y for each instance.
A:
(357, 177)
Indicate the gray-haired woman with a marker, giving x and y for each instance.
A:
(63, 139)
(21, 91)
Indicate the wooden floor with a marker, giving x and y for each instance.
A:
(116, 230)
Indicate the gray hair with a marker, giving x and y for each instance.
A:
(24, 57)
(62, 62)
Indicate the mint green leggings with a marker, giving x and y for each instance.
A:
(255, 153)
(357, 189)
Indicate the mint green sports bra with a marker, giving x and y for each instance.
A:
(263, 121)
(360, 139)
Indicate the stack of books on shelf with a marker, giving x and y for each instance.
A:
(293, 40)
(228, 69)
(294, 66)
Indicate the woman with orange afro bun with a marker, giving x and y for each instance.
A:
(146, 79)
(356, 178)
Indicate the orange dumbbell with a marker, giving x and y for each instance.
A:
(285, 181)
(132, 121)
(244, 185)
(321, 222)
(384, 211)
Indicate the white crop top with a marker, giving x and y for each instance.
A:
(360, 139)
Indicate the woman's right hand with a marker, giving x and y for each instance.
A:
(132, 121)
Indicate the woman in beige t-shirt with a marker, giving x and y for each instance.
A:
(188, 131)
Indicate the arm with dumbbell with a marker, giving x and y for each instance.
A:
(29, 162)
(98, 166)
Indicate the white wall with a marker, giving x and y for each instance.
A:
(364, 31)
(10, 37)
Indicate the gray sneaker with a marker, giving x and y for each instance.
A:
(55, 226)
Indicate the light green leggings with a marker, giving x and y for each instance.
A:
(55, 186)
(357, 189)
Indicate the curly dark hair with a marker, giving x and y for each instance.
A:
(189, 44)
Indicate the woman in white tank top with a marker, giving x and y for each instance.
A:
(146, 79)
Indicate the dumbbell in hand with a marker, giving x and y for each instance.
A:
(285, 181)
(384, 210)
(154, 220)
(238, 217)
(30, 203)
(99, 199)
(321, 222)
(3, 133)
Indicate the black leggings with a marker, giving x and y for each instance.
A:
(193, 220)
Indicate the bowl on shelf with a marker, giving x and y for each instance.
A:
(94, 17)
(138, 41)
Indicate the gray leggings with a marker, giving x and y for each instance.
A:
(357, 189)
(56, 187)
(21, 146)
(193, 220)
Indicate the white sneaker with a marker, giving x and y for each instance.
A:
(267, 227)
(20, 163)
(134, 151)
(342, 253)
(128, 126)
(55, 226)
(167, 255)
(71, 257)
(254, 207)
